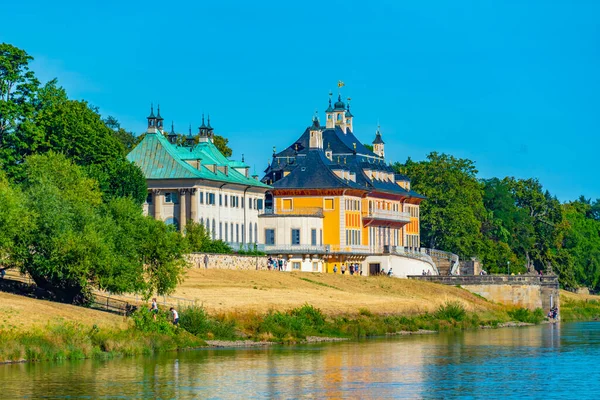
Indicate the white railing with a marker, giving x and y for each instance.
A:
(305, 212)
(290, 248)
(351, 249)
(388, 215)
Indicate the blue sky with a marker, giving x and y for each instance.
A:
(512, 85)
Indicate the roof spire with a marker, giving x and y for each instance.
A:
(151, 116)
(243, 158)
(190, 131)
(172, 128)
(158, 113)
(329, 109)
(208, 124)
(202, 126)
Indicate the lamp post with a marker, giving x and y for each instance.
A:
(508, 264)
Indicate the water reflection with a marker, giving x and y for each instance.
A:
(491, 363)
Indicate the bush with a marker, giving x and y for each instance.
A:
(196, 321)
(451, 311)
(297, 323)
(143, 320)
(525, 315)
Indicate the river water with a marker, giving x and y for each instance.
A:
(547, 361)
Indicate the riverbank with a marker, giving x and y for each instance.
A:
(579, 307)
(253, 307)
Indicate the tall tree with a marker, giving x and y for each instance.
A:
(452, 213)
(81, 243)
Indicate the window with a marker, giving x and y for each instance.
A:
(149, 198)
(221, 230)
(201, 195)
(250, 203)
(313, 237)
(171, 197)
(287, 204)
(242, 202)
(255, 232)
(295, 236)
(321, 237)
(296, 266)
(226, 233)
(214, 230)
(226, 200)
(328, 204)
(259, 204)
(237, 233)
(231, 227)
(315, 266)
(250, 234)
(220, 199)
(210, 198)
(270, 236)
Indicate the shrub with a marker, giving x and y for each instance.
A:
(143, 320)
(525, 315)
(451, 311)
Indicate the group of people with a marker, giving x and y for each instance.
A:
(276, 264)
(428, 272)
(553, 314)
(172, 311)
(351, 269)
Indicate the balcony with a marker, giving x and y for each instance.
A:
(294, 212)
(339, 249)
(294, 249)
(387, 215)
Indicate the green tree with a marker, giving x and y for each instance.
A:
(15, 223)
(221, 143)
(452, 213)
(127, 138)
(581, 243)
(199, 241)
(80, 242)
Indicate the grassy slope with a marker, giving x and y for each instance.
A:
(260, 291)
(20, 313)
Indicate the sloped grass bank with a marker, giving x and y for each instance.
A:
(148, 333)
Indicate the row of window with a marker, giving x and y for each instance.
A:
(352, 205)
(210, 199)
(230, 232)
(383, 205)
(315, 237)
(353, 237)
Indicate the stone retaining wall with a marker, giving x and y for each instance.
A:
(530, 291)
(228, 261)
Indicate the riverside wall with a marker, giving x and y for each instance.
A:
(530, 291)
(227, 261)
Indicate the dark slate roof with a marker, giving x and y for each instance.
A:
(378, 139)
(309, 168)
(313, 172)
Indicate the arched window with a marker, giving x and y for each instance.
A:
(250, 234)
(255, 232)
(214, 229)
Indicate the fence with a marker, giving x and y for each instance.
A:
(110, 304)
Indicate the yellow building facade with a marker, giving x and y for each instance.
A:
(362, 208)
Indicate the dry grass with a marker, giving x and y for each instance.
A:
(260, 291)
(579, 297)
(23, 313)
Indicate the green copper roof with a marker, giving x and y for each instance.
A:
(159, 159)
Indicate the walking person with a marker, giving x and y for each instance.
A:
(175, 316)
(154, 308)
(205, 261)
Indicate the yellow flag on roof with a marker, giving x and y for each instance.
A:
(340, 84)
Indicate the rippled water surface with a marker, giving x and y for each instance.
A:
(549, 361)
